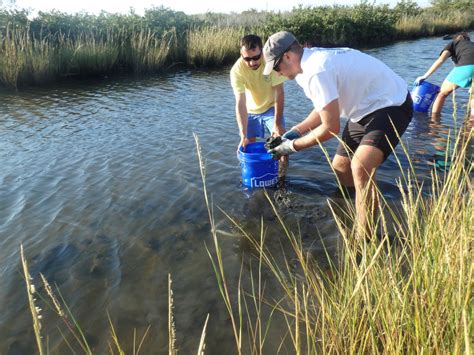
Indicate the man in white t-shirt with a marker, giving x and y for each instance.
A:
(343, 82)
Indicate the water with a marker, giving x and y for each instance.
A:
(100, 182)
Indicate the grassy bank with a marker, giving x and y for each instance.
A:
(55, 45)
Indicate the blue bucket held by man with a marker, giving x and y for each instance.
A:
(259, 169)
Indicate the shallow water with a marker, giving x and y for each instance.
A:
(100, 182)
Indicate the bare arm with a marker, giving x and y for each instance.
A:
(279, 93)
(323, 125)
(241, 115)
(311, 122)
(441, 59)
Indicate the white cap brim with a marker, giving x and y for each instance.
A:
(268, 67)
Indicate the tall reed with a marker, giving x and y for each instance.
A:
(13, 59)
(429, 24)
(211, 46)
(148, 53)
(56, 45)
(90, 53)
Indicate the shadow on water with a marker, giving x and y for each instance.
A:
(302, 212)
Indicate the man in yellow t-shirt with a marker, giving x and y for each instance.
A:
(259, 99)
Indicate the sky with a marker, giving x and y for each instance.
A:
(187, 6)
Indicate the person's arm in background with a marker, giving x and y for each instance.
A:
(441, 59)
(241, 115)
(279, 94)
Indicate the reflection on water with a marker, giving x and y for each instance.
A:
(432, 137)
(100, 182)
(435, 141)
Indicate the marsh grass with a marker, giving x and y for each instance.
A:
(171, 328)
(212, 45)
(54, 45)
(149, 53)
(90, 53)
(218, 263)
(429, 24)
(407, 288)
(73, 334)
(13, 61)
(30, 290)
(26, 59)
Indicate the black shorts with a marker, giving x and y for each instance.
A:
(381, 129)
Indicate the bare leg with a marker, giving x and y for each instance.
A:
(342, 167)
(446, 89)
(282, 167)
(364, 164)
(471, 96)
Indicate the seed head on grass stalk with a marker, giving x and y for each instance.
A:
(67, 317)
(171, 328)
(30, 288)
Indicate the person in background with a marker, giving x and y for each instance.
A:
(343, 82)
(259, 99)
(461, 51)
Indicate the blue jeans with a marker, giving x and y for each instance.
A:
(258, 122)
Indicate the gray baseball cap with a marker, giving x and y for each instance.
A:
(274, 48)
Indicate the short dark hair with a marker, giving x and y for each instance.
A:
(461, 36)
(251, 42)
(295, 48)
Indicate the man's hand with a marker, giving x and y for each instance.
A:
(285, 148)
(278, 130)
(243, 143)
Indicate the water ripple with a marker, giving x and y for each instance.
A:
(100, 181)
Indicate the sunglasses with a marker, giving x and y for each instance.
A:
(254, 58)
(276, 66)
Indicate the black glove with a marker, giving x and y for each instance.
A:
(272, 142)
(285, 148)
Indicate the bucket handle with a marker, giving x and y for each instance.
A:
(414, 85)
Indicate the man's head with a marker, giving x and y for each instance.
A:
(251, 51)
(281, 52)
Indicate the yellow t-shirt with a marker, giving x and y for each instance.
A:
(257, 87)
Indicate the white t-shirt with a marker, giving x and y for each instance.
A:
(361, 83)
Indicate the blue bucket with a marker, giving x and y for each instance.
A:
(423, 95)
(259, 169)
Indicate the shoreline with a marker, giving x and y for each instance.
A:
(57, 47)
